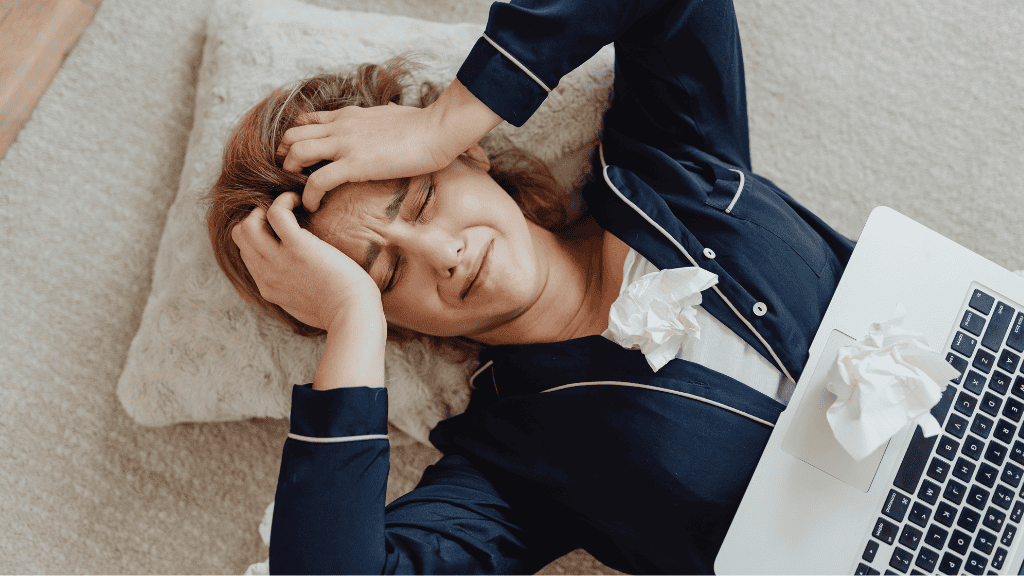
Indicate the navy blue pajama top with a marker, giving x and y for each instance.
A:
(578, 444)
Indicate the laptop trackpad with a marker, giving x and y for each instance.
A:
(810, 437)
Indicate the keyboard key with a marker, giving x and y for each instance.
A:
(945, 514)
(974, 381)
(919, 513)
(997, 327)
(996, 453)
(998, 558)
(984, 361)
(994, 519)
(936, 537)
(957, 424)
(896, 505)
(1003, 497)
(901, 559)
(987, 474)
(1008, 361)
(973, 447)
(964, 344)
(982, 302)
(869, 551)
(990, 404)
(910, 536)
(985, 541)
(977, 497)
(954, 492)
(976, 563)
(929, 492)
(1018, 387)
(1017, 452)
(999, 382)
(958, 362)
(982, 425)
(1013, 409)
(960, 541)
(968, 519)
(938, 469)
(966, 403)
(926, 559)
(914, 461)
(1004, 431)
(1008, 535)
(950, 563)
(963, 469)
(1012, 474)
(863, 570)
(948, 446)
(972, 322)
(1016, 338)
(884, 531)
(1018, 511)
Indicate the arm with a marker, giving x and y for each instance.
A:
(329, 516)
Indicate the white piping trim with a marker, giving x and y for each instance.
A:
(479, 371)
(669, 391)
(604, 170)
(517, 63)
(336, 440)
(738, 192)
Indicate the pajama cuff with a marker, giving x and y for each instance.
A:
(340, 414)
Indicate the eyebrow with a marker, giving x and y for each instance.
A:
(391, 212)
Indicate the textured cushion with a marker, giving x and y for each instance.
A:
(201, 353)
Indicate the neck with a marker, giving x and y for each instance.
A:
(583, 273)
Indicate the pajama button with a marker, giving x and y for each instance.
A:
(760, 309)
(709, 253)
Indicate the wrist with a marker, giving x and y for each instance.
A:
(354, 351)
(458, 119)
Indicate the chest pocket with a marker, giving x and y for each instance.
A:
(742, 196)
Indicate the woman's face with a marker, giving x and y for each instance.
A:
(452, 253)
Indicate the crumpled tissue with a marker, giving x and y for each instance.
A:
(883, 381)
(655, 313)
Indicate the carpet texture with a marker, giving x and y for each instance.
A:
(910, 104)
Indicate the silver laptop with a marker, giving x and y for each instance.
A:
(952, 503)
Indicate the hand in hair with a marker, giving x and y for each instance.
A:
(383, 142)
(310, 279)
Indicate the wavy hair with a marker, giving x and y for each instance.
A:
(252, 175)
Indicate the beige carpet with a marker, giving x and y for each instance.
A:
(907, 104)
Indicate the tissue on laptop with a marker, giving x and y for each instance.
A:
(655, 313)
(883, 381)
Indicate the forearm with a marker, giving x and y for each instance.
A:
(460, 119)
(354, 352)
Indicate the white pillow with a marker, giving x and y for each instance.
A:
(201, 354)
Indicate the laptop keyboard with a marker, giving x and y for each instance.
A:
(957, 501)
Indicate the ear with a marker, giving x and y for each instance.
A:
(478, 157)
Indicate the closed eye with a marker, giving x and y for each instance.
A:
(396, 270)
(426, 200)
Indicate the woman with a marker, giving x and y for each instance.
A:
(572, 438)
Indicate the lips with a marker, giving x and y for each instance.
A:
(477, 270)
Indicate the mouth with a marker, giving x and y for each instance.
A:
(480, 272)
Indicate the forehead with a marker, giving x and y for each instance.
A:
(349, 214)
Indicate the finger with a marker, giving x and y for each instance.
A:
(322, 181)
(317, 117)
(257, 234)
(306, 153)
(299, 133)
(281, 217)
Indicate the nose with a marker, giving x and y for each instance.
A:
(437, 248)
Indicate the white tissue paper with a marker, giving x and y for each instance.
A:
(655, 313)
(882, 382)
